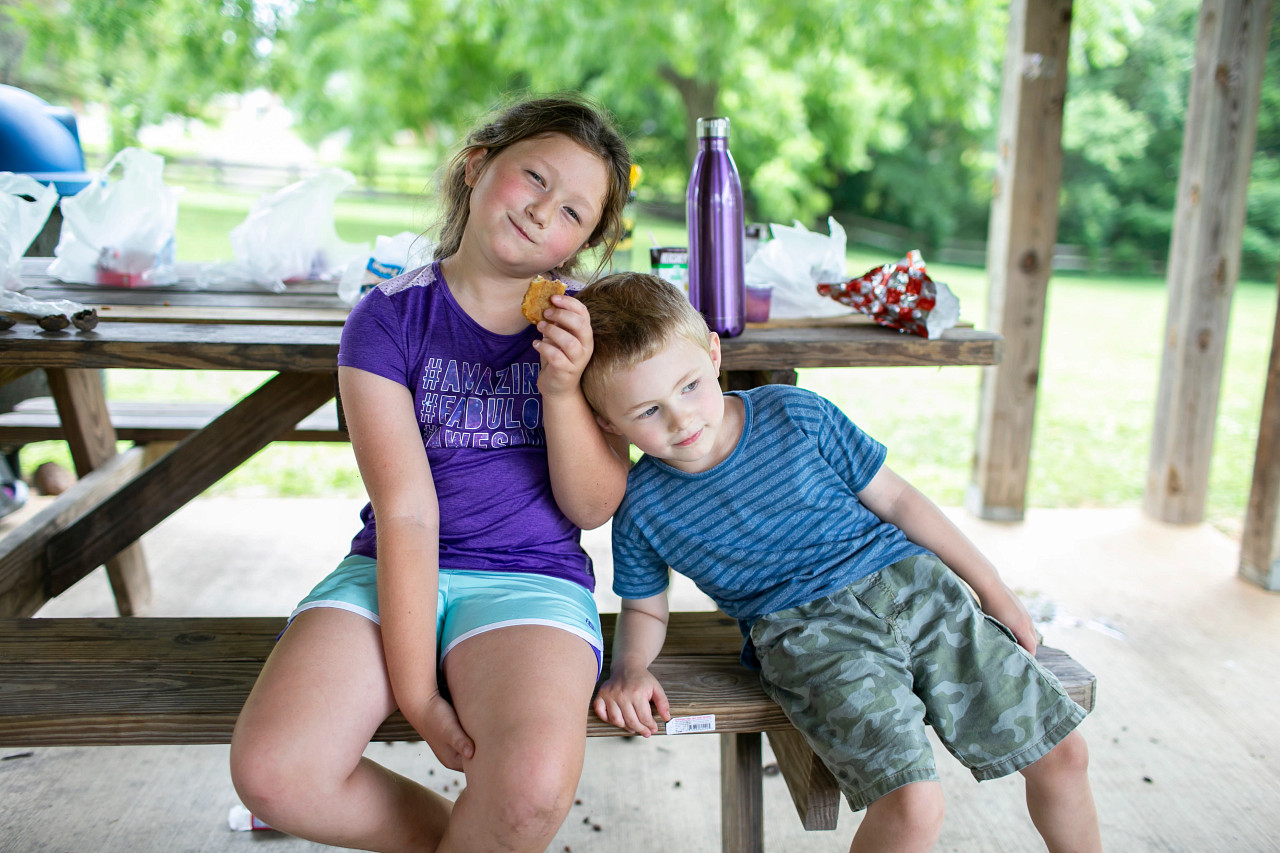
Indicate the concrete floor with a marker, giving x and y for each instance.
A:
(1185, 738)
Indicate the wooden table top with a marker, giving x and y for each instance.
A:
(236, 326)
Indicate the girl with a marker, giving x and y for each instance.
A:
(471, 575)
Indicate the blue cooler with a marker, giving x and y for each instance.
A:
(40, 140)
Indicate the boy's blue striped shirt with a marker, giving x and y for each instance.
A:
(776, 524)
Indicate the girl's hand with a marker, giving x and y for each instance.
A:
(440, 728)
(624, 701)
(565, 347)
(1006, 608)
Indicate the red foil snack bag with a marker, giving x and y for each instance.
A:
(900, 296)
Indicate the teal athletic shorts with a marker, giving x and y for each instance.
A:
(470, 603)
(862, 671)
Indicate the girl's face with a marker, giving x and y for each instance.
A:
(534, 204)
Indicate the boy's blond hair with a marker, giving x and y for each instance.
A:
(633, 316)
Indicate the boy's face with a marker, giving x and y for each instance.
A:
(671, 406)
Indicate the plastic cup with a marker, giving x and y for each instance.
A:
(758, 301)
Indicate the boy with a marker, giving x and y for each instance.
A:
(847, 579)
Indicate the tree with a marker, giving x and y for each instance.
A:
(811, 86)
(143, 59)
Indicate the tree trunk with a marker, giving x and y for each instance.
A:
(699, 97)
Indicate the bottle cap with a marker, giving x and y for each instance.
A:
(713, 127)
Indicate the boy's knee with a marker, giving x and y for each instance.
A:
(916, 810)
(1068, 758)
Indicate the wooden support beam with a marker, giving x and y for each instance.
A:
(1023, 230)
(741, 797)
(22, 581)
(814, 791)
(1204, 252)
(86, 424)
(1259, 546)
(197, 463)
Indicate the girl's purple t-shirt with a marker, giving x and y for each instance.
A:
(480, 416)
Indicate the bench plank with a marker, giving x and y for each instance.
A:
(106, 681)
(111, 680)
(36, 419)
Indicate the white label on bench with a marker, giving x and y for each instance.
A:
(689, 725)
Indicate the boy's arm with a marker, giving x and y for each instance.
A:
(624, 699)
(896, 501)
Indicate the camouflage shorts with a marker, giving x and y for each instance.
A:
(862, 671)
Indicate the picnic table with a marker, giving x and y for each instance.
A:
(294, 334)
(184, 680)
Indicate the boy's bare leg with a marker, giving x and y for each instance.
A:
(522, 695)
(905, 820)
(297, 751)
(1060, 800)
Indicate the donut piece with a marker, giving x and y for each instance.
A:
(538, 298)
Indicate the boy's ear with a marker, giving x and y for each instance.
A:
(606, 425)
(715, 351)
(471, 170)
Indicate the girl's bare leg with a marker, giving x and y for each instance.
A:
(522, 694)
(297, 751)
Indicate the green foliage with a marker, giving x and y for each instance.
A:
(812, 86)
(884, 110)
(144, 59)
(1123, 137)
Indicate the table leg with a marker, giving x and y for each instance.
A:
(197, 462)
(741, 794)
(86, 423)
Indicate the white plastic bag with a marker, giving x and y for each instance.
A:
(391, 256)
(793, 263)
(120, 232)
(289, 236)
(25, 204)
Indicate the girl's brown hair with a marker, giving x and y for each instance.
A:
(568, 114)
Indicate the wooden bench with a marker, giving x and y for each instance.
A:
(36, 419)
(81, 682)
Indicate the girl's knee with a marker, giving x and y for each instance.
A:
(262, 778)
(531, 797)
(275, 774)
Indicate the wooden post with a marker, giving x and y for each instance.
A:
(1259, 548)
(86, 424)
(1204, 253)
(1023, 229)
(741, 794)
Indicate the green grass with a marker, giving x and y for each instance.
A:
(1099, 373)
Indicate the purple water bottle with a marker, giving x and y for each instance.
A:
(714, 213)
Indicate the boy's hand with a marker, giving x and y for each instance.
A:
(624, 701)
(565, 347)
(440, 728)
(1005, 607)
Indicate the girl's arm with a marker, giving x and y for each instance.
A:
(588, 468)
(896, 501)
(624, 700)
(393, 464)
